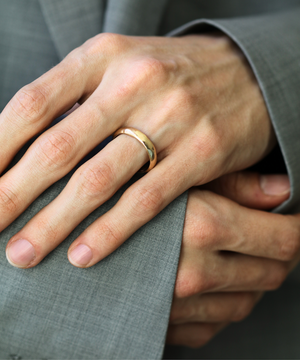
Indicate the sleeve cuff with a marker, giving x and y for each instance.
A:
(270, 44)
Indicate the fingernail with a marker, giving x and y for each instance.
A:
(275, 185)
(81, 255)
(20, 253)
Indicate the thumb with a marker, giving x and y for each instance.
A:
(252, 189)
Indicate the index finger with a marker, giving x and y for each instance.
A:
(36, 105)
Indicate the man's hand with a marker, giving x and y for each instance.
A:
(231, 254)
(195, 97)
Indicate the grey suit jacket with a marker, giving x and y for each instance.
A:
(119, 308)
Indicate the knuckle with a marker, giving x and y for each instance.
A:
(30, 103)
(147, 73)
(208, 312)
(206, 234)
(203, 227)
(185, 284)
(276, 276)
(108, 43)
(111, 235)
(55, 149)
(147, 200)
(191, 282)
(110, 39)
(96, 181)
(47, 229)
(209, 144)
(8, 200)
(76, 61)
(151, 69)
(105, 45)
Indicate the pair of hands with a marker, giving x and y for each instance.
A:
(198, 101)
(231, 254)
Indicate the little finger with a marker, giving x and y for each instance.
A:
(37, 104)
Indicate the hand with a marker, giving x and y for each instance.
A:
(195, 97)
(230, 254)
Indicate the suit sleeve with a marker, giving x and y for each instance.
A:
(271, 43)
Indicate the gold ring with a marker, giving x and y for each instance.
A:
(145, 141)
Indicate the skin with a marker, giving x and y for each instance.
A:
(231, 255)
(195, 97)
(197, 100)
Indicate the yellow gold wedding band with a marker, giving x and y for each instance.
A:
(145, 141)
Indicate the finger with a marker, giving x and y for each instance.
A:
(34, 107)
(74, 79)
(138, 205)
(213, 308)
(247, 273)
(252, 189)
(219, 224)
(227, 272)
(60, 148)
(56, 152)
(90, 186)
(193, 335)
(263, 234)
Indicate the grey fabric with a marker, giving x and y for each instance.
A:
(71, 23)
(26, 48)
(119, 308)
(129, 17)
(180, 12)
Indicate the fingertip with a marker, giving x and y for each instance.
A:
(253, 190)
(20, 253)
(275, 185)
(80, 256)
